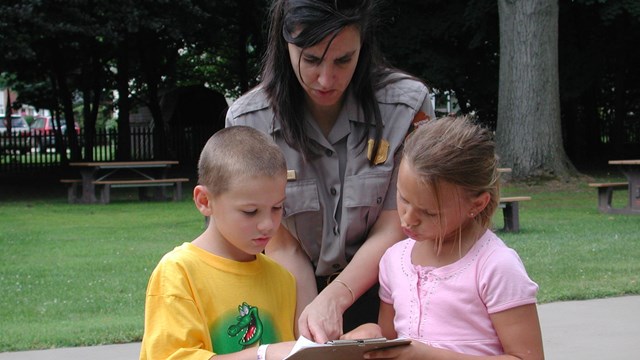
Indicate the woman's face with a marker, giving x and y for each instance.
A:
(325, 79)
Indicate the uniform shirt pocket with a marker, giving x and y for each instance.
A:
(302, 196)
(364, 196)
(302, 216)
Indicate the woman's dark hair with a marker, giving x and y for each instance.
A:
(315, 20)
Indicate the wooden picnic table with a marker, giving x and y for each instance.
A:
(631, 169)
(120, 173)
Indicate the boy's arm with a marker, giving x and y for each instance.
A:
(274, 351)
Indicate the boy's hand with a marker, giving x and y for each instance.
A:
(364, 331)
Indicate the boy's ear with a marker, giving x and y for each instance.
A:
(202, 199)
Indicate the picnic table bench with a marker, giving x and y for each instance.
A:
(605, 194)
(141, 184)
(121, 174)
(510, 208)
(511, 212)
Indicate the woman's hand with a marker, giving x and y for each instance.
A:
(321, 320)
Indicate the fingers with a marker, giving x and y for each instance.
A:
(303, 326)
(318, 334)
(320, 322)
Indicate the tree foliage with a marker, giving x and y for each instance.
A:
(64, 51)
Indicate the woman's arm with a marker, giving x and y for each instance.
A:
(322, 319)
(286, 250)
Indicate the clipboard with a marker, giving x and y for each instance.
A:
(344, 349)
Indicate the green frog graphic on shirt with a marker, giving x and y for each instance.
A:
(249, 324)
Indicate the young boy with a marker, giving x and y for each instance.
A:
(219, 294)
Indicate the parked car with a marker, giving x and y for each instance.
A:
(43, 133)
(19, 139)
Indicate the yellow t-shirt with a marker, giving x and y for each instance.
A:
(199, 304)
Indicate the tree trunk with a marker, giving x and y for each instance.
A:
(66, 100)
(8, 112)
(123, 149)
(529, 134)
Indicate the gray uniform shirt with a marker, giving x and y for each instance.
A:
(334, 200)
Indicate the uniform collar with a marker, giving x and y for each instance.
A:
(350, 112)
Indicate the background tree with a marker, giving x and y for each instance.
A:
(68, 50)
(452, 45)
(529, 133)
(599, 79)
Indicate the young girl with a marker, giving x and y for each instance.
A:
(453, 286)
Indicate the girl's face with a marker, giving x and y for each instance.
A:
(247, 216)
(421, 217)
(325, 79)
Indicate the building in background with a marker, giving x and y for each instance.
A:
(25, 110)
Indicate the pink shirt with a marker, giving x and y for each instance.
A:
(449, 307)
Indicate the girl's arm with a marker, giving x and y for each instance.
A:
(384, 327)
(323, 317)
(385, 320)
(519, 332)
(517, 328)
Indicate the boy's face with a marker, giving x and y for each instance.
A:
(247, 216)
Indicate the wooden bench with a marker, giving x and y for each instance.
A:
(605, 194)
(74, 189)
(106, 185)
(510, 212)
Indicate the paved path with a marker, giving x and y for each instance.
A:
(586, 330)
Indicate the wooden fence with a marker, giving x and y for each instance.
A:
(42, 151)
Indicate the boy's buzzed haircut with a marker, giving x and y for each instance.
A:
(238, 151)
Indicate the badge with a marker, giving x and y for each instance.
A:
(383, 151)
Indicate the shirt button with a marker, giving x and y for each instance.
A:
(328, 152)
(333, 191)
(379, 200)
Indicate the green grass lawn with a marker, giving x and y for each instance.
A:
(74, 275)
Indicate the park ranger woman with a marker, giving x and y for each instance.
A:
(340, 114)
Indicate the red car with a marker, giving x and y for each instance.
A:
(18, 139)
(43, 135)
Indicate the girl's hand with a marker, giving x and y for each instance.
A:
(415, 350)
(364, 331)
